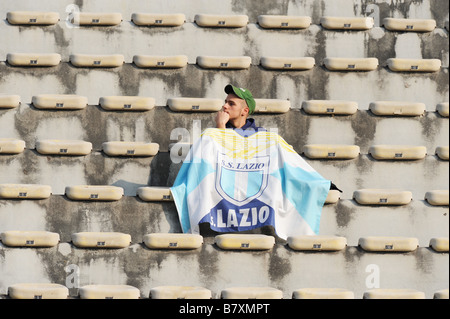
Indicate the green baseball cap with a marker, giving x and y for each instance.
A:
(243, 94)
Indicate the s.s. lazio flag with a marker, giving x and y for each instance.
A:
(238, 183)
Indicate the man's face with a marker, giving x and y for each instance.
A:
(235, 106)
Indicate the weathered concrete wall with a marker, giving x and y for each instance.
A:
(209, 266)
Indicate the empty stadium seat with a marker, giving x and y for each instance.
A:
(101, 240)
(11, 146)
(251, 293)
(32, 17)
(224, 62)
(59, 102)
(380, 293)
(347, 23)
(388, 244)
(179, 292)
(443, 109)
(413, 65)
(417, 25)
(94, 192)
(173, 241)
(397, 108)
(97, 61)
(120, 148)
(333, 196)
(158, 19)
(109, 292)
(189, 104)
(351, 64)
(398, 152)
(283, 21)
(372, 196)
(442, 152)
(63, 147)
(159, 61)
(25, 191)
(33, 59)
(38, 291)
(154, 193)
(330, 107)
(222, 21)
(287, 63)
(96, 18)
(244, 241)
(330, 151)
(441, 294)
(322, 293)
(272, 106)
(439, 244)
(127, 103)
(317, 243)
(437, 197)
(18, 238)
(9, 101)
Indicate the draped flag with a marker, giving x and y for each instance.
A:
(238, 183)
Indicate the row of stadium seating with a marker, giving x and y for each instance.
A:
(57, 291)
(224, 21)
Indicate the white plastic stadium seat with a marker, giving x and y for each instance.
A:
(287, 63)
(32, 17)
(351, 64)
(63, 147)
(373, 196)
(120, 148)
(442, 152)
(322, 293)
(59, 102)
(25, 191)
(251, 293)
(224, 62)
(347, 23)
(330, 151)
(414, 65)
(188, 104)
(94, 192)
(101, 240)
(397, 108)
(388, 244)
(398, 152)
(109, 292)
(441, 294)
(96, 18)
(417, 25)
(330, 107)
(244, 241)
(284, 22)
(443, 109)
(38, 291)
(437, 197)
(11, 146)
(33, 59)
(272, 106)
(179, 292)
(221, 21)
(9, 101)
(154, 193)
(333, 196)
(173, 241)
(127, 103)
(159, 61)
(97, 61)
(154, 19)
(393, 294)
(18, 238)
(439, 244)
(317, 243)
